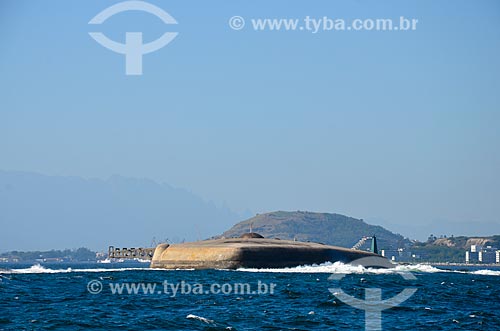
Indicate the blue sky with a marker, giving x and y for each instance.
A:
(402, 128)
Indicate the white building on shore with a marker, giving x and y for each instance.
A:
(479, 254)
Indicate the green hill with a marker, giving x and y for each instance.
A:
(332, 229)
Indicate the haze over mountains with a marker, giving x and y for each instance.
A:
(39, 212)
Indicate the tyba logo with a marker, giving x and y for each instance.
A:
(373, 305)
(133, 48)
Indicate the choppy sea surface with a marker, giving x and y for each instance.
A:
(86, 297)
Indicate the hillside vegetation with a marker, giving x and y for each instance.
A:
(332, 229)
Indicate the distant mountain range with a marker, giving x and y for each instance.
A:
(333, 229)
(39, 212)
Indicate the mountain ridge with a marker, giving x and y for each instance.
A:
(41, 212)
(327, 228)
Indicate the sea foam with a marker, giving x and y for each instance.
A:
(199, 318)
(487, 272)
(328, 267)
(39, 269)
(341, 268)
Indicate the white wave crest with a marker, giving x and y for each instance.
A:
(486, 272)
(199, 318)
(38, 269)
(341, 268)
(328, 267)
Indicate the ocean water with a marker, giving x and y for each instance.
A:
(80, 297)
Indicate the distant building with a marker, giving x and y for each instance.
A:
(391, 254)
(475, 248)
(487, 256)
(400, 255)
(479, 254)
(471, 257)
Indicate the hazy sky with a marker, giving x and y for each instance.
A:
(400, 127)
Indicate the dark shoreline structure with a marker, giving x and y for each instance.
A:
(250, 251)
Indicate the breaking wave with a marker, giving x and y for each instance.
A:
(341, 268)
(199, 318)
(328, 267)
(487, 272)
(38, 269)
